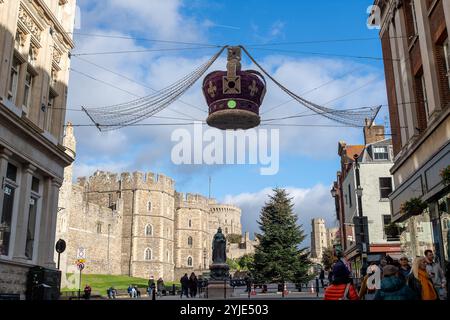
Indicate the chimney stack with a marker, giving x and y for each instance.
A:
(373, 133)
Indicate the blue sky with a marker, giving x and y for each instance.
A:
(308, 157)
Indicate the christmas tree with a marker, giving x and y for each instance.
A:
(278, 256)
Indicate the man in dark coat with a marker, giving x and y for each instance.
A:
(184, 285)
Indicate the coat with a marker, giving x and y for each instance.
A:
(415, 285)
(336, 292)
(395, 288)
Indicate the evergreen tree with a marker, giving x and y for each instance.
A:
(278, 257)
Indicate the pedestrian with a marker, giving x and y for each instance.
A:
(405, 268)
(342, 287)
(151, 284)
(436, 274)
(138, 292)
(133, 292)
(87, 292)
(420, 282)
(322, 277)
(193, 283)
(330, 276)
(393, 286)
(161, 288)
(129, 290)
(112, 293)
(184, 285)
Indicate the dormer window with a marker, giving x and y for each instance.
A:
(380, 153)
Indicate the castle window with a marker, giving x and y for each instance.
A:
(148, 230)
(99, 227)
(189, 262)
(190, 223)
(226, 230)
(190, 241)
(149, 206)
(148, 254)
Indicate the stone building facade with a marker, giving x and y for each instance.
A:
(137, 224)
(35, 44)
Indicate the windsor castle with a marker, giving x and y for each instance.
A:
(137, 224)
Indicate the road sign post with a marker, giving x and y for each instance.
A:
(80, 266)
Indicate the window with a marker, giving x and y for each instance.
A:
(190, 223)
(350, 196)
(49, 111)
(190, 241)
(346, 199)
(9, 192)
(424, 97)
(99, 227)
(148, 230)
(189, 262)
(13, 80)
(28, 87)
(32, 52)
(447, 59)
(387, 221)
(385, 187)
(148, 254)
(32, 218)
(226, 230)
(380, 153)
(149, 206)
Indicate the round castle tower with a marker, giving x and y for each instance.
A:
(226, 216)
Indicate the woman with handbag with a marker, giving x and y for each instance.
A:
(342, 287)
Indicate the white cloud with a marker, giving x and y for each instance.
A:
(309, 203)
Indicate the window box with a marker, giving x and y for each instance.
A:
(414, 207)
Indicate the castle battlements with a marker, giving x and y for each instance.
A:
(190, 200)
(103, 181)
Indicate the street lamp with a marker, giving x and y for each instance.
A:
(333, 192)
(361, 226)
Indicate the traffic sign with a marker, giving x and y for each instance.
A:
(80, 261)
(80, 266)
(81, 253)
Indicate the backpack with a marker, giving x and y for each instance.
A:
(345, 296)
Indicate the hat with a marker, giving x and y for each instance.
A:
(340, 270)
(389, 270)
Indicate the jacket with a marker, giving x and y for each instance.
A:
(336, 292)
(436, 273)
(395, 288)
(415, 285)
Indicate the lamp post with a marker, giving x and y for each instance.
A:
(361, 226)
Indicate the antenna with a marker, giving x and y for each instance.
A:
(209, 194)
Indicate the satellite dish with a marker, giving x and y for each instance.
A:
(60, 246)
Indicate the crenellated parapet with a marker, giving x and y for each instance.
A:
(191, 200)
(102, 181)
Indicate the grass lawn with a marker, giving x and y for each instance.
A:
(100, 282)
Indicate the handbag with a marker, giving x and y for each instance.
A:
(345, 296)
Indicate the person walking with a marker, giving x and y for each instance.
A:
(151, 285)
(420, 282)
(193, 283)
(405, 268)
(393, 286)
(436, 274)
(184, 285)
(133, 292)
(322, 277)
(160, 287)
(87, 292)
(129, 290)
(342, 287)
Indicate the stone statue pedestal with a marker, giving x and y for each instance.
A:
(219, 284)
(219, 289)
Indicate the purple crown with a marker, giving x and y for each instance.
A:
(234, 96)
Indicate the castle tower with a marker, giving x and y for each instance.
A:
(318, 238)
(226, 216)
(192, 240)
